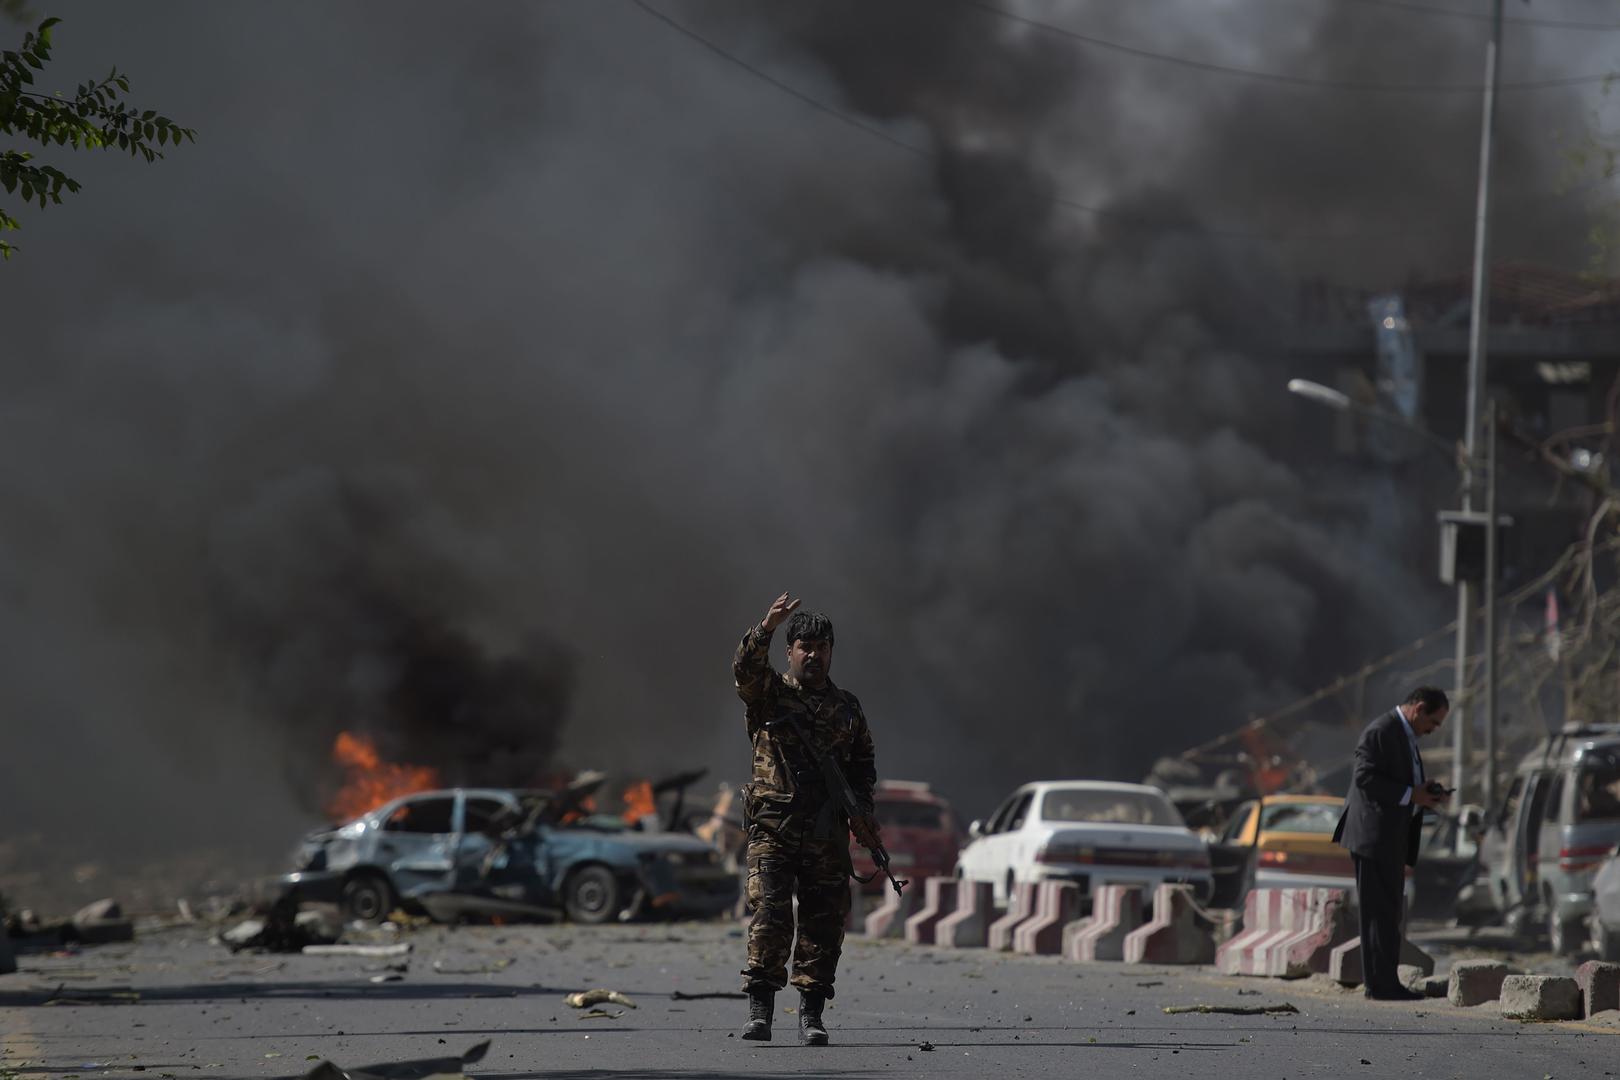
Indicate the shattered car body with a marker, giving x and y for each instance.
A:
(527, 851)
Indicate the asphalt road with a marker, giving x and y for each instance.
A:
(203, 1012)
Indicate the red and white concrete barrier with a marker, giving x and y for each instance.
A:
(1288, 932)
(1116, 910)
(939, 901)
(1057, 904)
(1020, 906)
(888, 919)
(968, 927)
(1174, 934)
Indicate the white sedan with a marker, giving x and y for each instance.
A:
(1087, 831)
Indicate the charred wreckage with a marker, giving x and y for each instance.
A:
(512, 853)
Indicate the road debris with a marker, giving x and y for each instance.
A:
(448, 1068)
(925, 1046)
(596, 997)
(1232, 1010)
(63, 996)
(729, 995)
(487, 969)
(357, 950)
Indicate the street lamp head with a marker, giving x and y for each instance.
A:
(1322, 395)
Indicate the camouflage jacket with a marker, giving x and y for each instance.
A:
(787, 787)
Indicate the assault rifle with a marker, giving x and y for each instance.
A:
(838, 788)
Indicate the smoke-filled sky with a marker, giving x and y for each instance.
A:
(484, 370)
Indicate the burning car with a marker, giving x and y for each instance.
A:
(521, 851)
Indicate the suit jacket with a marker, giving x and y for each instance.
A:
(1374, 824)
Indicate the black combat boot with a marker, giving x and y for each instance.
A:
(811, 1030)
(761, 1003)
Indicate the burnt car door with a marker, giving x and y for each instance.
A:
(416, 843)
(1232, 857)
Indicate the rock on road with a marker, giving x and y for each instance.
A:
(205, 1013)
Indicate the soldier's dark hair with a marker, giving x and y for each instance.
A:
(809, 626)
(1429, 698)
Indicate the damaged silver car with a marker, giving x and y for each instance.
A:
(510, 852)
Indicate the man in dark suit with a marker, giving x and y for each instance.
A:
(1381, 825)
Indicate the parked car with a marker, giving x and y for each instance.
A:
(1087, 831)
(1280, 842)
(1557, 825)
(1604, 922)
(508, 845)
(920, 832)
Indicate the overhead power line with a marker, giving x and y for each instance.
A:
(1480, 16)
(1273, 77)
(1123, 217)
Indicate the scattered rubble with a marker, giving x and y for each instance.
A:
(1474, 982)
(1540, 997)
(101, 923)
(283, 929)
(450, 1068)
(596, 997)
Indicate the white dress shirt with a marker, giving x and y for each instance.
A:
(1417, 762)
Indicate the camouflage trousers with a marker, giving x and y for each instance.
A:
(781, 867)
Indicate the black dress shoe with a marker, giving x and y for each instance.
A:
(1398, 993)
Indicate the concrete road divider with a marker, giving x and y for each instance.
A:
(888, 919)
(1288, 932)
(857, 907)
(968, 927)
(1175, 934)
(1540, 997)
(1020, 906)
(1599, 983)
(939, 900)
(1474, 982)
(1057, 904)
(1344, 963)
(1116, 911)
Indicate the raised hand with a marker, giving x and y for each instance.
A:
(781, 608)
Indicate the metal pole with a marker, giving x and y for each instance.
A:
(1488, 791)
(1478, 317)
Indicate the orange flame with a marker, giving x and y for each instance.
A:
(371, 781)
(639, 801)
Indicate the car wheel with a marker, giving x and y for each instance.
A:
(368, 898)
(591, 895)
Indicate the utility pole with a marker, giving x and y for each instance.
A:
(1478, 317)
(1492, 555)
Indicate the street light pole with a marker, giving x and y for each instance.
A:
(1478, 317)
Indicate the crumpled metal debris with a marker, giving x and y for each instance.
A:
(596, 997)
(449, 1068)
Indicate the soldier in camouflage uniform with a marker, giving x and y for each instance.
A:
(798, 833)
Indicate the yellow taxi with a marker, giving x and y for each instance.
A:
(1290, 840)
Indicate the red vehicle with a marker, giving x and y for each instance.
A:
(920, 832)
